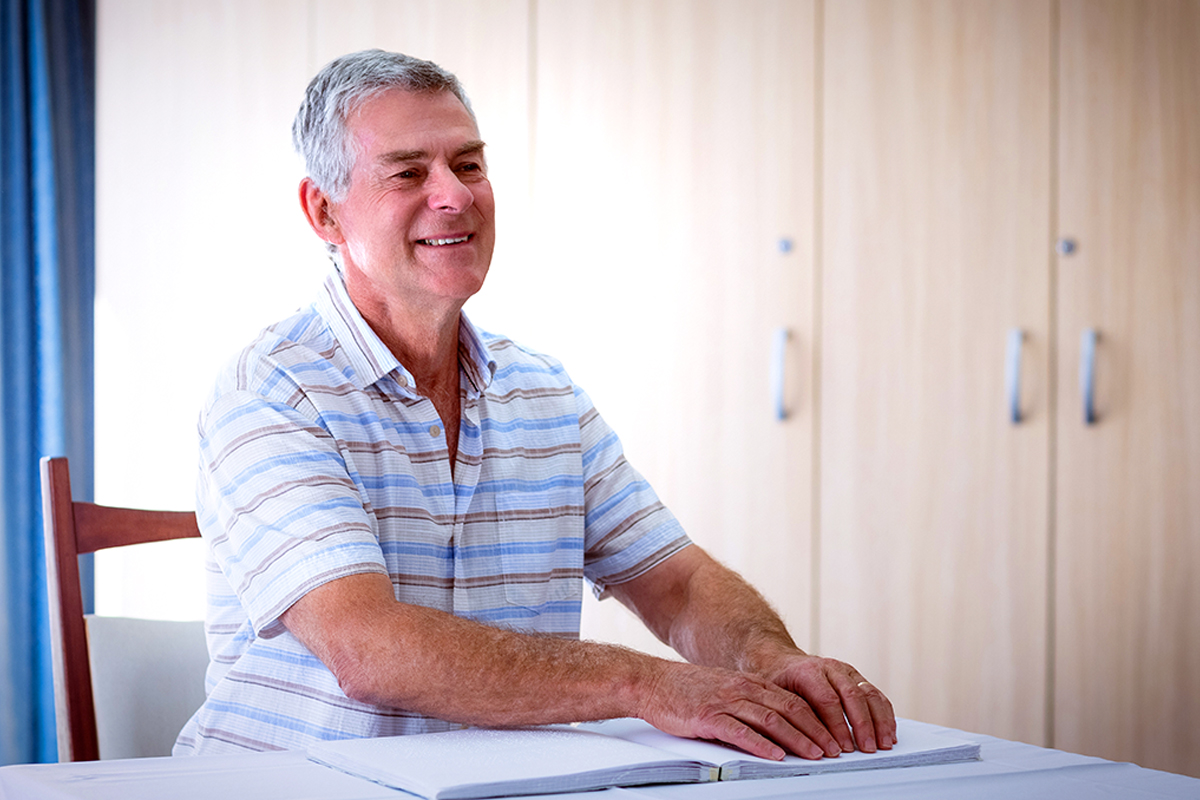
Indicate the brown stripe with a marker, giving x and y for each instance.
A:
(290, 544)
(521, 393)
(393, 514)
(262, 433)
(280, 489)
(646, 563)
(627, 524)
(532, 453)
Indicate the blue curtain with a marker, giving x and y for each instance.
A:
(47, 288)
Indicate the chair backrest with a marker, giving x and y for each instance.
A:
(73, 528)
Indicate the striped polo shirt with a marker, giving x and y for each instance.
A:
(320, 458)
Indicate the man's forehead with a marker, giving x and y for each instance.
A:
(398, 124)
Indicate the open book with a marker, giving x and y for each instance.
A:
(478, 763)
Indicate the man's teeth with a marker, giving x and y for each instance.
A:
(441, 242)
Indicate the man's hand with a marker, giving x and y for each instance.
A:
(714, 618)
(737, 708)
(838, 693)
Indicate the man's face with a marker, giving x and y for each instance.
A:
(418, 221)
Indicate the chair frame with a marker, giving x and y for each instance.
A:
(73, 528)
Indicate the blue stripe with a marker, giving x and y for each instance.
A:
(599, 510)
(566, 421)
(526, 487)
(508, 613)
(272, 719)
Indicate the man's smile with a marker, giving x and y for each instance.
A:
(444, 242)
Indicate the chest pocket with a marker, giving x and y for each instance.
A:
(542, 561)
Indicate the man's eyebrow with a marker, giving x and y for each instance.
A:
(473, 146)
(399, 156)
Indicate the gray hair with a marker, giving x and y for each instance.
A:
(319, 130)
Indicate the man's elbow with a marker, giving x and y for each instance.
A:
(359, 676)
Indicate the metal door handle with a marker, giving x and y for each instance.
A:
(778, 369)
(1087, 374)
(1012, 377)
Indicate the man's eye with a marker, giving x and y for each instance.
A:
(407, 173)
(469, 167)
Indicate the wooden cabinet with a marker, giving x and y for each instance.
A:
(936, 177)
(1031, 579)
(1127, 487)
(673, 188)
(1027, 577)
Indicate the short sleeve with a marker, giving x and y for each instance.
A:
(627, 528)
(277, 504)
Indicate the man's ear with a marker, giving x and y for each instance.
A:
(319, 211)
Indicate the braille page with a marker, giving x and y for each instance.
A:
(479, 763)
(916, 747)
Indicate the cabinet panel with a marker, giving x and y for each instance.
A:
(933, 503)
(1128, 509)
(674, 153)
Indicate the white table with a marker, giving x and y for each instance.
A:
(1006, 770)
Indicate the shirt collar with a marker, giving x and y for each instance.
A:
(371, 359)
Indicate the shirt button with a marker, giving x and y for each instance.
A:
(403, 381)
(435, 431)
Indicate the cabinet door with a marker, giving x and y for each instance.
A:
(935, 247)
(673, 220)
(1127, 677)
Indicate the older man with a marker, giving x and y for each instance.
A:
(400, 508)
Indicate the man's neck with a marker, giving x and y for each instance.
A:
(422, 336)
(425, 341)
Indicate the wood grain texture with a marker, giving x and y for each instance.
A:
(674, 152)
(1128, 501)
(936, 199)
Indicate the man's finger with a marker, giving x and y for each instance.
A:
(869, 712)
(730, 730)
(830, 704)
(883, 716)
(794, 718)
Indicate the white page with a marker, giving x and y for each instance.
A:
(915, 746)
(481, 763)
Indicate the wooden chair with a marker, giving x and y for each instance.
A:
(72, 528)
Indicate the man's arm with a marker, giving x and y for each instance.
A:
(405, 656)
(711, 616)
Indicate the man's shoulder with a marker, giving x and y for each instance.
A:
(516, 361)
(283, 357)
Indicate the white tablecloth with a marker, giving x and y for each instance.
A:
(1006, 770)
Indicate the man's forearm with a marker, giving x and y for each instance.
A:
(434, 663)
(708, 613)
(420, 659)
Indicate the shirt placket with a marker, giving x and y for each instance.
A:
(466, 478)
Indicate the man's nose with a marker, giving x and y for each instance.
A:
(447, 192)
